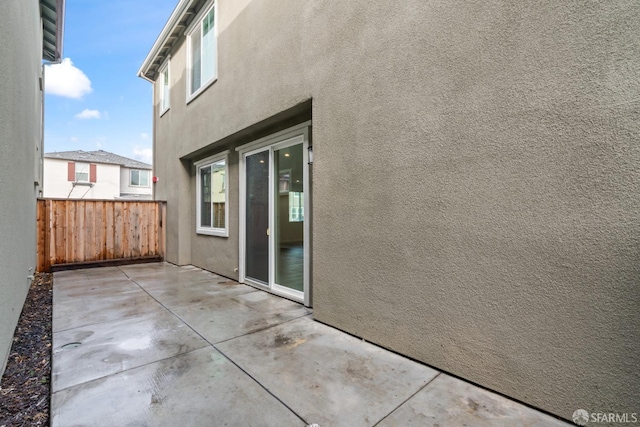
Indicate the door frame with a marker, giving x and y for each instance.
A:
(298, 134)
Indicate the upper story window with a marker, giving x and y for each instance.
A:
(164, 89)
(82, 172)
(139, 178)
(79, 172)
(202, 54)
(212, 196)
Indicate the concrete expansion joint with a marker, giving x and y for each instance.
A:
(409, 398)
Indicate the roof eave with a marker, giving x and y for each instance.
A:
(168, 29)
(52, 38)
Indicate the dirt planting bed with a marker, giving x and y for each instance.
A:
(25, 387)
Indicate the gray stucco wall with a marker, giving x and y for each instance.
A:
(475, 182)
(20, 151)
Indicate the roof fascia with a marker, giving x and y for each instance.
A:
(60, 11)
(175, 18)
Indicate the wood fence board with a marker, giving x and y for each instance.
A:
(138, 229)
(48, 238)
(71, 227)
(41, 228)
(79, 238)
(89, 232)
(60, 235)
(163, 229)
(142, 229)
(144, 234)
(153, 232)
(99, 230)
(126, 233)
(109, 231)
(133, 230)
(118, 231)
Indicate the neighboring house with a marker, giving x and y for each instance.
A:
(455, 181)
(95, 175)
(30, 31)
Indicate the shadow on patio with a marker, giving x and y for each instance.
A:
(157, 344)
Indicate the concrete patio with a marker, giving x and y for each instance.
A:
(161, 345)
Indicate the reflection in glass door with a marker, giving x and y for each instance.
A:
(289, 217)
(257, 216)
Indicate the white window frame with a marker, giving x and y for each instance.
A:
(164, 103)
(77, 171)
(201, 164)
(196, 27)
(140, 170)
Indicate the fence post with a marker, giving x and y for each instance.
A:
(162, 235)
(47, 236)
(39, 235)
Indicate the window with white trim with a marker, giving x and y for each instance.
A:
(82, 172)
(164, 89)
(139, 178)
(202, 53)
(212, 196)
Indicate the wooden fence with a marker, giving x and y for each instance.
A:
(77, 232)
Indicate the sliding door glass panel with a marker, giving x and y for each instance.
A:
(205, 196)
(289, 217)
(218, 194)
(257, 217)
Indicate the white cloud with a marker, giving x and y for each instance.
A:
(88, 114)
(143, 154)
(66, 80)
(144, 135)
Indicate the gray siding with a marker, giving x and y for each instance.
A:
(475, 183)
(20, 155)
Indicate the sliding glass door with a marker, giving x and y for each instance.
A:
(274, 230)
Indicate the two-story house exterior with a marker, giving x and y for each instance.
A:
(31, 31)
(455, 181)
(95, 175)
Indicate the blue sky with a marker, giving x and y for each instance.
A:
(95, 100)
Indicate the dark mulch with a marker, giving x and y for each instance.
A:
(25, 386)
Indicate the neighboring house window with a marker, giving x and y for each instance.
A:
(296, 206)
(164, 89)
(81, 172)
(202, 53)
(211, 196)
(139, 178)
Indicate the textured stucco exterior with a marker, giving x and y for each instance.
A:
(475, 179)
(20, 157)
